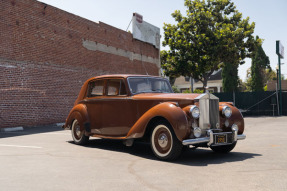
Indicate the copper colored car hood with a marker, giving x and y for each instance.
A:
(165, 96)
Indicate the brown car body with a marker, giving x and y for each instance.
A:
(131, 116)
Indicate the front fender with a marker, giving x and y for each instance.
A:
(78, 112)
(236, 117)
(168, 110)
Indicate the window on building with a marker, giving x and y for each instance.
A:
(187, 79)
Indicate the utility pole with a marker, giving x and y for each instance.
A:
(280, 53)
(191, 84)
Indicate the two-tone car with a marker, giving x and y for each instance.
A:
(142, 107)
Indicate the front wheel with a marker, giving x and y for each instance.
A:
(164, 143)
(78, 135)
(223, 148)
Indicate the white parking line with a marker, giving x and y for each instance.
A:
(21, 146)
(25, 133)
(66, 133)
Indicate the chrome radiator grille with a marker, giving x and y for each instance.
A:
(213, 112)
(209, 111)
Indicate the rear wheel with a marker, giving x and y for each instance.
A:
(223, 148)
(164, 143)
(78, 135)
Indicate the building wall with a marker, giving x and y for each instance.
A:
(271, 86)
(213, 85)
(46, 54)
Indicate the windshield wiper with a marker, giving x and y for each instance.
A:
(142, 92)
(150, 91)
(157, 91)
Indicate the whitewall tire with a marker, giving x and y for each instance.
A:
(164, 143)
(78, 135)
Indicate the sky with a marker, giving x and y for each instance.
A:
(269, 17)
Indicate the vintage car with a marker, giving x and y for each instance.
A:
(130, 107)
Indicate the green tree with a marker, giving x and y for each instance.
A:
(242, 86)
(268, 75)
(172, 75)
(260, 62)
(212, 32)
(230, 79)
(247, 83)
(175, 90)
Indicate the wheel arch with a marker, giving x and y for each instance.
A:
(78, 112)
(150, 125)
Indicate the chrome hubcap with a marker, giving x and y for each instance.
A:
(162, 140)
(78, 130)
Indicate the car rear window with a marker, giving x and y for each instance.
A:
(116, 87)
(96, 88)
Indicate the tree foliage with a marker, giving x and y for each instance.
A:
(212, 32)
(260, 62)
(175, 90)
(230, 79)
(268, 75)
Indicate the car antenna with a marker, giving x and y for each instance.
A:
(142, 61)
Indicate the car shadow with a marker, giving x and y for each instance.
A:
(31, 130)
(190, 157)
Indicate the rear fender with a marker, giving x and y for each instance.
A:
(168, 110)
(80, 113)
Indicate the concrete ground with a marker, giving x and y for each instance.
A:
(45, 158)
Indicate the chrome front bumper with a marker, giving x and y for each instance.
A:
(210, 140)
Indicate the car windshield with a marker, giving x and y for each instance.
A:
(149, 85)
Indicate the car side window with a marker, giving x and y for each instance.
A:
(116, 87)
(96, 88)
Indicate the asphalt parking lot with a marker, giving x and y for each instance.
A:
(45, 158)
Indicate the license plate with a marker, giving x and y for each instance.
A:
(219, 139)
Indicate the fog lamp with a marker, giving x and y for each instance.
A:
(197, 132)
(234, 127)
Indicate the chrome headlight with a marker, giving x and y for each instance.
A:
(226, 111)
(194, 112)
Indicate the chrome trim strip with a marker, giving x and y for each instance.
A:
(200, 96)
(94, 99)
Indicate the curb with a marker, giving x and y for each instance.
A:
(60, 124)
(10, 129)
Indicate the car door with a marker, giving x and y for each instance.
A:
(117, 112)
(93, 101)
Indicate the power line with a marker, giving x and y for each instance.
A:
(129, 24)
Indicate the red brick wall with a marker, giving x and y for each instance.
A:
(43, 62)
